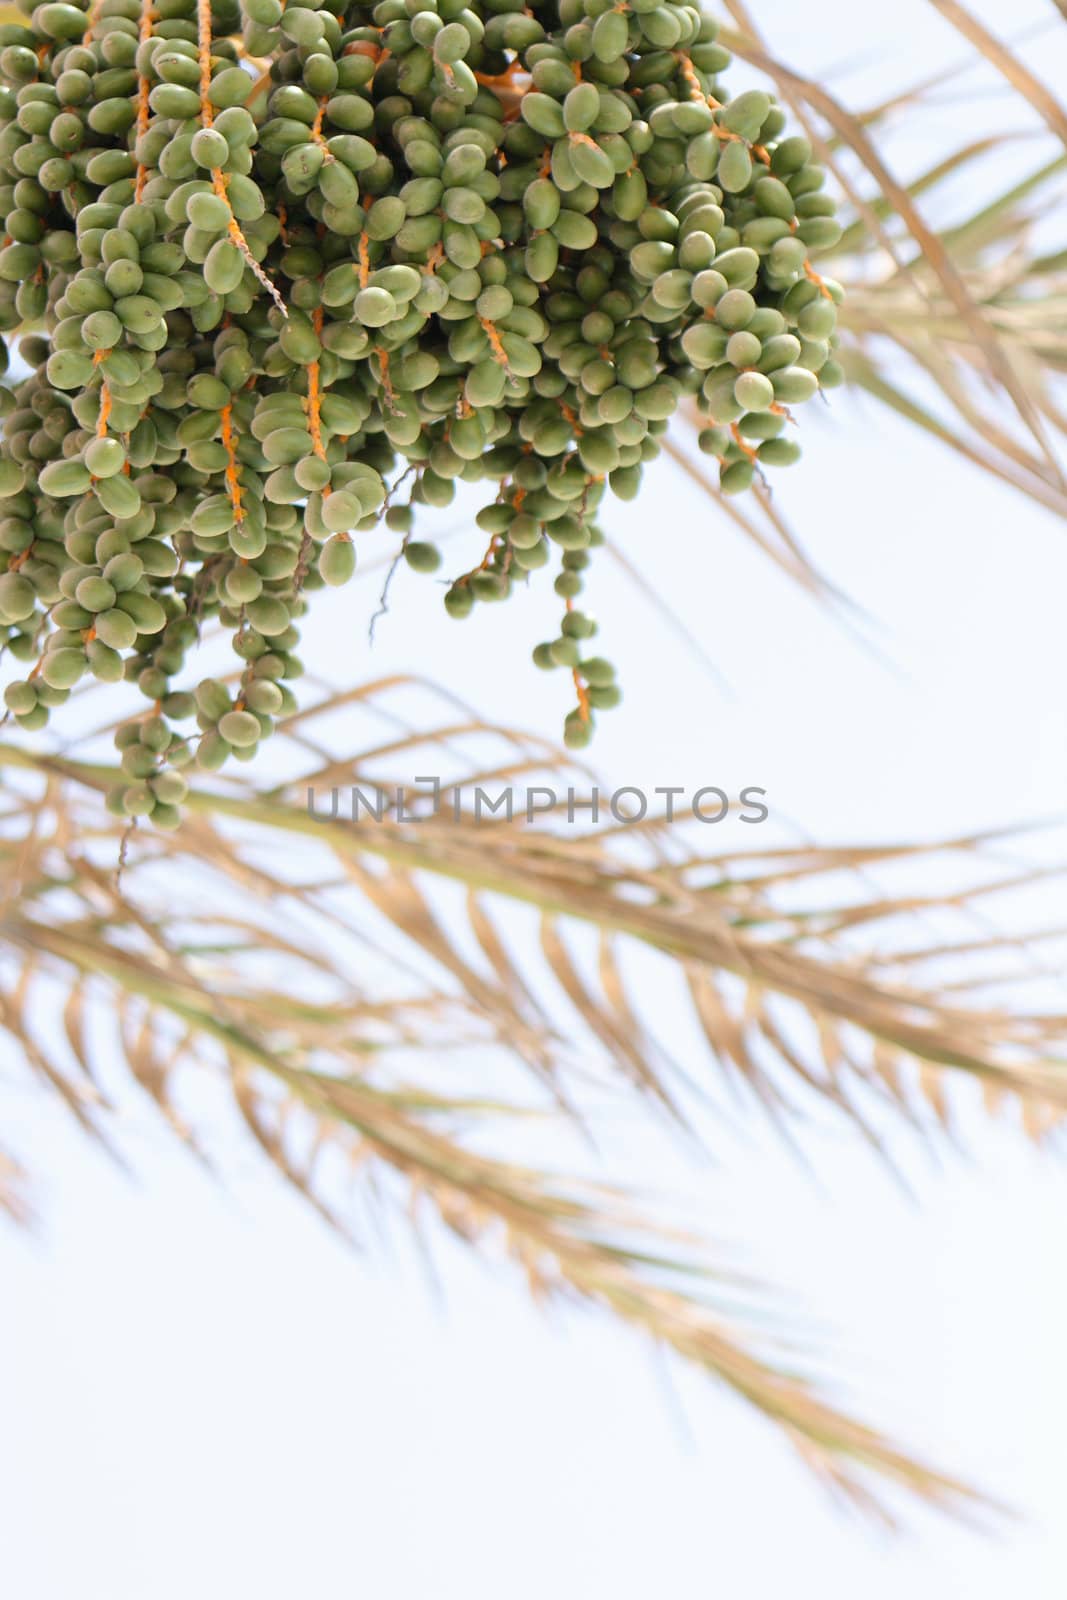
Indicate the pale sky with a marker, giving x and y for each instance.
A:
(206, 1394)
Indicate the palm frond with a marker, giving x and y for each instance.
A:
(953, 321)
(998, 54)
(13, 1200)
(307, 967)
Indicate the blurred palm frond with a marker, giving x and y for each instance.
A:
(955, 316)
(305, 966)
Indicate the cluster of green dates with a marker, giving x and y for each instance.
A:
(281, 274)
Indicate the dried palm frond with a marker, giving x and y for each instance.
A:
(306, 966)
(956, 274)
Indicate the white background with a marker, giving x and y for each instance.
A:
(205, 1394)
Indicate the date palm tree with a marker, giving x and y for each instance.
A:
(347, 1034)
